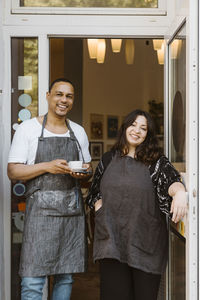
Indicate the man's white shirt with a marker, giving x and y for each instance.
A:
(25, 141)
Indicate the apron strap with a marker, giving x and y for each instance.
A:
(43, 126)
(72, 135)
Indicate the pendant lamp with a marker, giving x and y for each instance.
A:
(101, 51)
(157, 44)
(129, 51)
(92, 48)
(161, 55)
(176, 48)
(116, 45)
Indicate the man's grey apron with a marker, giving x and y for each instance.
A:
(54, 239)
(129, 226)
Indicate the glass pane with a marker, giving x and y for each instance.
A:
(24, 106)
(177, 267)
(90, 3)
(177, 94)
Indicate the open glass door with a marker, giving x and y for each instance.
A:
(177, 155)
(182, 117)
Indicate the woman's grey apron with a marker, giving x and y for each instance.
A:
(54, 239)
(129, 226)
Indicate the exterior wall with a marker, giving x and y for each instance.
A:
(69, 25)
(1, 164)
(99, 24)
(21, 25)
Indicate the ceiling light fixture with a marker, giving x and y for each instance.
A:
(92, 48)
(175, 48)
(157, 44)
(129, 51)
(101, 51)
(161, 55)
(116, 45)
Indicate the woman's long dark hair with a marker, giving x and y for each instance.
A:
(148, 151)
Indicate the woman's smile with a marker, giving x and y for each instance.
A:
(137, 132)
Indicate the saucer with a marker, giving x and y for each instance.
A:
(78, 169)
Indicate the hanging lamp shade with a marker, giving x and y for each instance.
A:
(101, 51)
(161, 55)
(129, 51)
(176, 48)
(157, 44)
(92, 48)
(116, 45)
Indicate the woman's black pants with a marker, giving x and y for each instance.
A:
(118, 281)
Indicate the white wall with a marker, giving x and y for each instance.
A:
(1, 164)
(116, 99)
(115, 88)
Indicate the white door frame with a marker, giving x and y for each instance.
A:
(43, 81)
(192, 137)
(160, 10)
(14, 27)
(192, 142)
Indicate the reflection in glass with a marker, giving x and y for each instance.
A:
(24, 114)
(178, 126)
(91, 3)
(177, 266)
(15, 125)
(24, 63)
(24, 82)
(24, 71)
(19, 189)
(31, 68)
(24, 100)
(19, 223)
(177, 94)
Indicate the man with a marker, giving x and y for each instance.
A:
(54, 241)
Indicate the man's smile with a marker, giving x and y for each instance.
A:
(62, 106)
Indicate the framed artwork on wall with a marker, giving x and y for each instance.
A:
(112, 126)
(96, 150)
(96, 126)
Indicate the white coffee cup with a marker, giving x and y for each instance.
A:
(75, 164)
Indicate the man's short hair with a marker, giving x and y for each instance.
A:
(59, 80)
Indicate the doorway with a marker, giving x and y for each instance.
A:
(104, 94)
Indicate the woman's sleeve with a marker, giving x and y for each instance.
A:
(94, 193)
(164, 174)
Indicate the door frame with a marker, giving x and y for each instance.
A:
(43, 77)
(192, 141)
(43, 84)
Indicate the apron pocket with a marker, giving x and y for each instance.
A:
(100, 230)
(146, 231)
(59, 203)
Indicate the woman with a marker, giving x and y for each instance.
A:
(132, 189)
